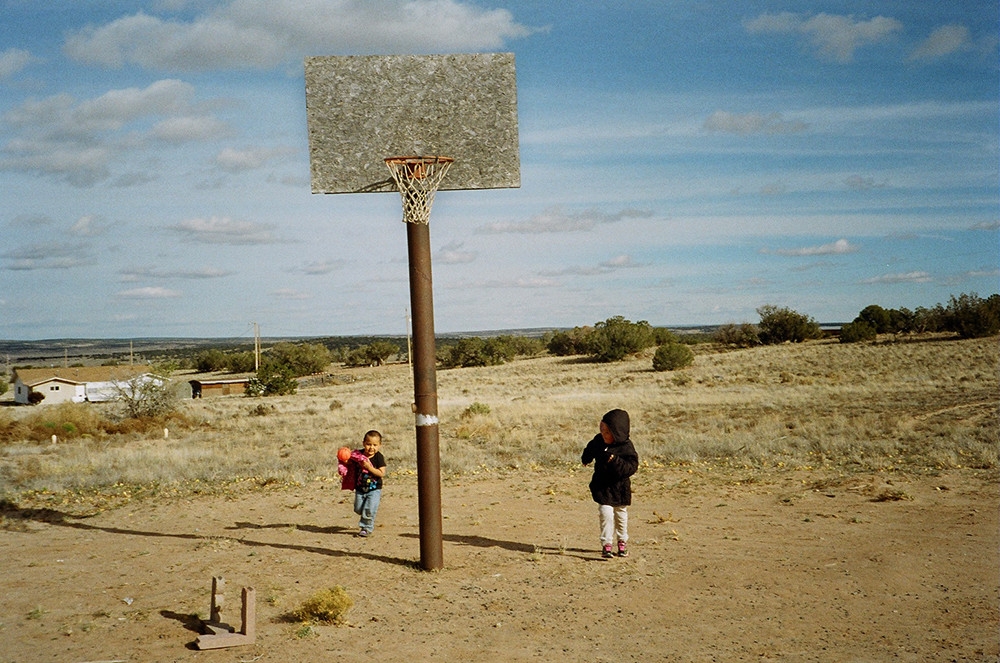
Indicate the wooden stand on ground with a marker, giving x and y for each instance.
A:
(218, 634)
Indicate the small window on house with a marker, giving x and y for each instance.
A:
(54, 388)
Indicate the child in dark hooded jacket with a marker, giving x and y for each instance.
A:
(615, 461)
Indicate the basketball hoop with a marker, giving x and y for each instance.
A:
(418, 179)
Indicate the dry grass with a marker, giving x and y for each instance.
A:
(918, 405)
(329, 606)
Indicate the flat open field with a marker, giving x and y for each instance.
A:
(797, 503)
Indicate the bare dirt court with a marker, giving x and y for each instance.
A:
(791, 566)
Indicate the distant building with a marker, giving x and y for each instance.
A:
(76, 385)
(202, 388)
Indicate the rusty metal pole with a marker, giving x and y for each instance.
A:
(418, 244)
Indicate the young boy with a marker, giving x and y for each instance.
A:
(368, 487)
(615, 461)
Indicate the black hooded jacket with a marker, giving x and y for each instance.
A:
(614, 463)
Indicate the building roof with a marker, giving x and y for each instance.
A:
(80, 374)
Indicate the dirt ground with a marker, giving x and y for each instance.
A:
(791, 566)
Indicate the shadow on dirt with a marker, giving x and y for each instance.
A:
(10, 511)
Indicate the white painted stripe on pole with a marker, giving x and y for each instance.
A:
(427, 420)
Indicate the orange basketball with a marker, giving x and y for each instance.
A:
(343, 454)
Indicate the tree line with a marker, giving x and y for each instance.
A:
(966, 315)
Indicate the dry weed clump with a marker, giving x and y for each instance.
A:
(329, 606)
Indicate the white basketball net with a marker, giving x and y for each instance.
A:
(418, 179)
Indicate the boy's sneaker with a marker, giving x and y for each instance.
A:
(607, 554)
(363, 533)
(622, 550)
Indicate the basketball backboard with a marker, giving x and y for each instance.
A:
(361, 110)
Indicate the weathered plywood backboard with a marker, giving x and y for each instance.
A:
(362, 109)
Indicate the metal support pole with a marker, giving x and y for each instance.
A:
(425, 396)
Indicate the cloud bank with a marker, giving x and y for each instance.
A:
(833, 36)
(262, 34)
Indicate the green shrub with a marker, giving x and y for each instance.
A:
(780, 325)
(671, 356)
(565, 344)
(380, 351)
(241, 362)
(662, 336)
(744, 335)
(616, 338)
(877, 318)
(297, 359)
(476, 408)
(856, 331)
(475, 351)
(972, 317)
(271, 381)
(210, 361)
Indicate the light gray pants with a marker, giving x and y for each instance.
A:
(614, 523)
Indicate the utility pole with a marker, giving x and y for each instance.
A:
(256, 347)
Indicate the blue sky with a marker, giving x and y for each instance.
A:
(682, 162)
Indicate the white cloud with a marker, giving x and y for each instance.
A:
(320, 268)
(454, 254)
(79, 165)
(840, 247)
(189, 128)
(80, 141)
(53, 255)
(223, 230)
(944, 41)
(290, 294)
(623, 261)
(752, 123)
(246, 34)
(908, 277)
(557, 220)
(136, 273)
(87, 226)
(152, 292)
(774, 189)
(133, 178)
(620, 262)
(31, 220)
(12, 61)
(592, 270)
(115, 108)
(982, 273)
(529, 282)
(987, 225)
(836, 37)
(238, 161)
(860, 183)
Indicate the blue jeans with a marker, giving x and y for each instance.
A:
(366, 506)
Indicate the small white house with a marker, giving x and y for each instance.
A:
(77, 385)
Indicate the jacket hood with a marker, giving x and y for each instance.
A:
(618, 423)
